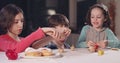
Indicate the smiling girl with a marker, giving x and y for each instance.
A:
(97, 31)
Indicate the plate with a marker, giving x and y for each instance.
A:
(55, 54)
(22, 55)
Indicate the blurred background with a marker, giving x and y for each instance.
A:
(37, 11)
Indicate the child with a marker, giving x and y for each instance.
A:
(61, 24)
(97, 31)
(11, 25)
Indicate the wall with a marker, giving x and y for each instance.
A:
(117, 19)
(72, 39)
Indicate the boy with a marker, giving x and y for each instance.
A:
(61, 24)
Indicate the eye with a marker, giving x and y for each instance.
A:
(22, 20)
(98, 17)
(16, 21)
(92, 17)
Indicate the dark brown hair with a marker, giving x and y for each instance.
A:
(7, 15)
(58, 19)
(105, 13)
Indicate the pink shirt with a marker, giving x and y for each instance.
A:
(6, 42)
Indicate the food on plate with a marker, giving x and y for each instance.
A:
(60, 50)
(46, 52)
(38, 52)
(34, 53)
(100, 52)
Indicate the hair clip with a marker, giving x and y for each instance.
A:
(104, 7)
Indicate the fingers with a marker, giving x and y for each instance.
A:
(56, 35)
(67, 32)
(59, 36)
(49, 31)
(90, 43)
(53, 33)
(103, 43)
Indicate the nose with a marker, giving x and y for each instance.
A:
(95, 19)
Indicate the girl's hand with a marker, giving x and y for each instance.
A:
(52, 32)
(67, 32)
(64, 33)
(103, 43)
(48, 30)
(91, 43)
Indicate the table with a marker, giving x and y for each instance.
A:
(80, 55)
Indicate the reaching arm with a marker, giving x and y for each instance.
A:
(42, 42)
(9, 43)
(6, 42)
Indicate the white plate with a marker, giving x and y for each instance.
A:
(55, 53)
(22, 55)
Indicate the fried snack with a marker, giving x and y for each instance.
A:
(115, 49)
(46, 52)
(60, 50)
(34, 53)
(72, 48)
(38, 52)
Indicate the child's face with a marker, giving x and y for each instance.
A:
(97, 18)
(64, 31)
(17, 26)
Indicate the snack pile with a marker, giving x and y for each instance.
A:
(38, 52)
(61, 50)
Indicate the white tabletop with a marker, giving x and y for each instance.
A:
(81, 55)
